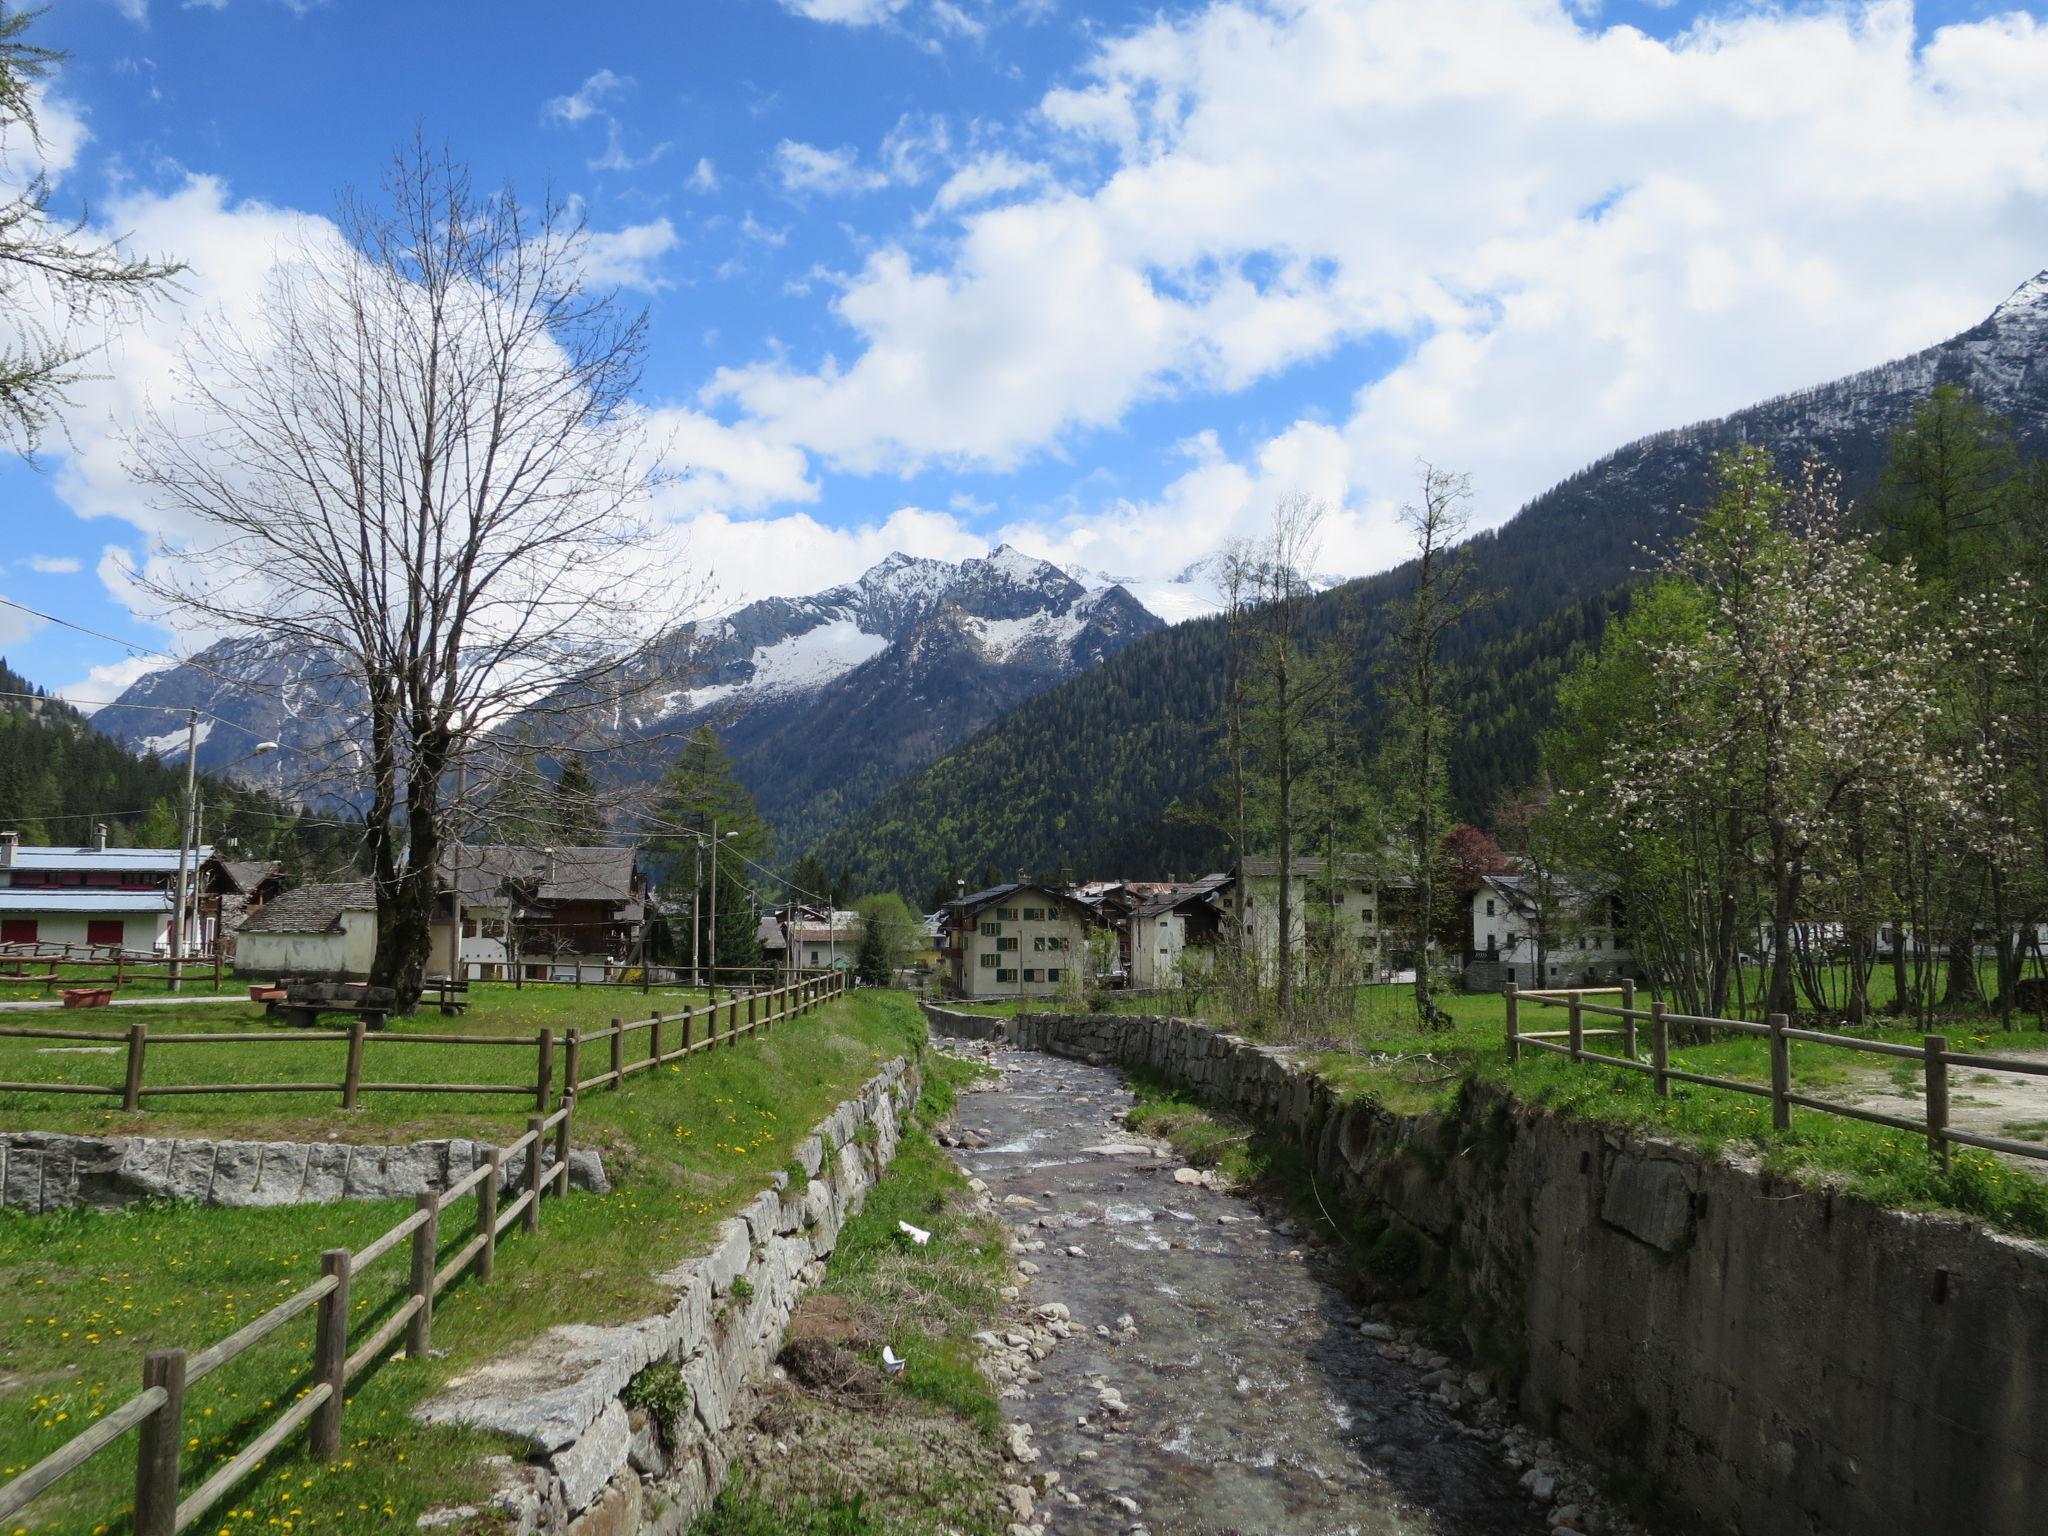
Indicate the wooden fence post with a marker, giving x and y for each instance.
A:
(732, 1020)
(572, 1063)
(654, 1041)
(1577, 1024)
(1514, 1011)
(1628, 1018)
(426, 1242)
(120, 965)
(1934, 1049)
(562, 1141)
(330, 1353)
(689, 1018)
(753, 1011)
(1781, 1074)
(618, 1053)
(217, 956)
(544, 1084)
(352, 1079)
(131, 1088)
(160, 1440)
(487, 1216)
(1660, 1051)
(530, 1218)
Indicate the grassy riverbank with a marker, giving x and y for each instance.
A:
(1387, 1059)
(845, 1449)
(83, 1295)
(497, 1011)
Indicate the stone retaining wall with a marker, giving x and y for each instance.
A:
(1740, 1353)
(595, 1468)
(51, 1171)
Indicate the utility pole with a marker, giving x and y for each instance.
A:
(696, 908)
(184, 847)
(711, 938)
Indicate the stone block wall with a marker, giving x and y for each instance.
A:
(592, 1467)
(52, 1171)
(1741, 1353)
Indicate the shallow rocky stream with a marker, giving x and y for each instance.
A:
(1215, 1379)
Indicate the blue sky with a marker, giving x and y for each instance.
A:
(1101, 280)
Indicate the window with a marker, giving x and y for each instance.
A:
(1489, 906)
(17, 930)
(1053, 974)
(814, 957)
(1031, 975)
(1009, 943)
(1057, 941)
(1038, 944)
(1006, 914)
(105, 930)
(990, 930)
(1006, 975)
(988, 962)
(1034, 914)
(1511, 973)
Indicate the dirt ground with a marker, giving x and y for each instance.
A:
(1988, 1103)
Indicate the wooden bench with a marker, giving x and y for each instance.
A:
(304, 1002)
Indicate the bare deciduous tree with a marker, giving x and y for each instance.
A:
(60, 283)
(423, 463)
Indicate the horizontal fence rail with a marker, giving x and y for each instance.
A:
(1932, 1054)
(667, 1037)
(157, 1412)
(46, 965)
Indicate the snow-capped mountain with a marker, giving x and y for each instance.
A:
(823, 700)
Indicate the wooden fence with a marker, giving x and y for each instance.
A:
(106, 966)
(668, 1037)
(158, 1410)
(1932, 1055)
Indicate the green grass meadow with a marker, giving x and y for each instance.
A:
(84, 1295)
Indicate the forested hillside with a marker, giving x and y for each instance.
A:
(1090, 773)
(59, 778)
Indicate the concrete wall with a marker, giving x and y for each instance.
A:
(347, 953)
(594, 1468)
(1740, 1353)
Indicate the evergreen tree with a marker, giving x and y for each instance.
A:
(578, 819)
(699, 798)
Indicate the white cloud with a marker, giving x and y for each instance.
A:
(136, 11)
(804, 167)
(16, 626)
(852, 13)
(630, 257)
(704, 178)
(53, 565)
(796, 554)
(587, 100)
(988, 176)
(104, 683)
(1574, 233)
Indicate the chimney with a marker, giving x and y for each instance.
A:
(10, 842)
(1023, 876)
(99, 836)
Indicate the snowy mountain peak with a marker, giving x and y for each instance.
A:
(2029, 301)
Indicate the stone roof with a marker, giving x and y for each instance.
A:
(565, 874)
(313, 908)
(246, 874)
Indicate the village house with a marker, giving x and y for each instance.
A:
(230, 892)
(1174, 931)
(1346, 898)
(94, 897)
(1021, 939)
(324, 930)
(566, 914)
(820, 940)
(1578, 940)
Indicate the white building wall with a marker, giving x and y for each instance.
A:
(1255, 908)
(348, 952)
(70, 925)
(1051, 966)
(1156, 947)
